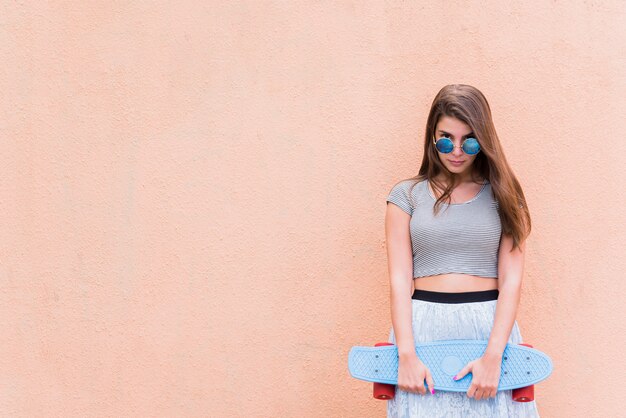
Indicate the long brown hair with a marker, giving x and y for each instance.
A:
(470, 106)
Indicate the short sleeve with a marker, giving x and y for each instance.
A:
(399, 196)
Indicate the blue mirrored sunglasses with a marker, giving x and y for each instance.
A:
(445, 145)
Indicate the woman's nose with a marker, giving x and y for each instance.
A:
(457, 152)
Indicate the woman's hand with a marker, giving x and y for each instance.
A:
(485, 376)
(411, 374)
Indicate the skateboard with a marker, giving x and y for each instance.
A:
(522, 366)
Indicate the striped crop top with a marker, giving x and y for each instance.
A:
(461, 238)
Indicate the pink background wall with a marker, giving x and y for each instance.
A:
(192, 195)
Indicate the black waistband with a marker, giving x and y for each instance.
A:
(455, 297)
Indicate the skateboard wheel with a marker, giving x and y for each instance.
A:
(525, 394)
(384, 391)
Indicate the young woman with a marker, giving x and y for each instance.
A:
(455, 246)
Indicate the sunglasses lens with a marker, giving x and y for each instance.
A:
(471, 146)
(444, 145)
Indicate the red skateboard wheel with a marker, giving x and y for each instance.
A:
(384, 391)
(525, 394)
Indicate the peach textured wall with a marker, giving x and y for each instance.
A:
(193, 195)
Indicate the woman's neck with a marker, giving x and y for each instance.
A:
(464, 180)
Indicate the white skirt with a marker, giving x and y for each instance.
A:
(447, 321)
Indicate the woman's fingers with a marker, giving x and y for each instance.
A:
(465, 370)
(430, 382)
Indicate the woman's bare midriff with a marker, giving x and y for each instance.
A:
(455, 282)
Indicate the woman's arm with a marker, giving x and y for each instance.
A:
(400, 266)
(510, 271)
(487, 368)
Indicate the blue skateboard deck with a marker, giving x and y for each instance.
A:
(521, 366)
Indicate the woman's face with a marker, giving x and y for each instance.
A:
(457, 131)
